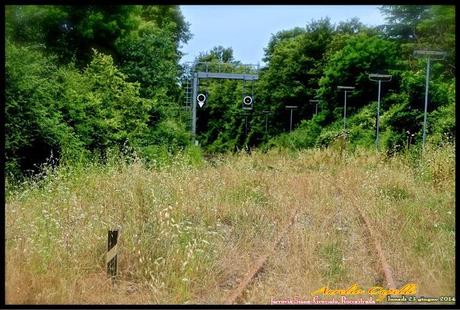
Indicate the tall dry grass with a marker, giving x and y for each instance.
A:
(190, 232)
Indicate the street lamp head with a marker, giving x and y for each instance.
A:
(432, 54)
(345, 87)
(313, 101)
(291, 107)
(380, 77)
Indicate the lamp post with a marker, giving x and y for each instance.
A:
(291, 107)
(379, 78)
(429, 55)
(316, 107)
(345, 89)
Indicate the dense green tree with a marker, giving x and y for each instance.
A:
(143, 40)
(352, 26)
(150, 58)
(32, 126)
(294, 71)
(72, 31)
(280, 36)
(169, 18)
(150, 54)
(218, 54)
(61, 110)
(360, 56)
(90, 78)
(437, 30)
(402, 20)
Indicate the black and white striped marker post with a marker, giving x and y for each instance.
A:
(112, 251)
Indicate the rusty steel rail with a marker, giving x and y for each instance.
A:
(386, 270)
(259, 263)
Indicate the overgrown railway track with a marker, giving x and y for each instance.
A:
(258, 264)
(384, 268)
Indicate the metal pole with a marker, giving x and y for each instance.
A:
(345, 111)
(316, 109)
(290, 123)
(378, 118)
(426, 100)
(194, 94)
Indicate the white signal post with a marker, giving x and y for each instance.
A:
(379, 78)
(429, 55)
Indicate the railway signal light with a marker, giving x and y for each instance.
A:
(201, 98)
(247, 103)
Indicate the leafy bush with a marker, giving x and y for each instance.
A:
(62, 111)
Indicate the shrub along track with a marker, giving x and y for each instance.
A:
(372, 246)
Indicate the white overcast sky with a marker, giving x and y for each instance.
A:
(247, 28)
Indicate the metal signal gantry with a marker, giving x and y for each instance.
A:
(248, 101)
